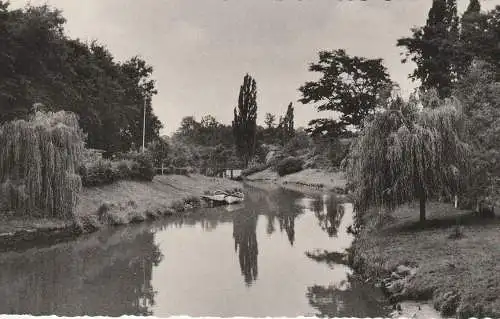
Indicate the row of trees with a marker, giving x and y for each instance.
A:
(41, 66)
(443, 140)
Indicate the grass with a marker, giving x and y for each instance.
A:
(456, 252)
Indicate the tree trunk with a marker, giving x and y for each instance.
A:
(422, 208)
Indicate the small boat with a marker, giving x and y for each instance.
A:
(222, 197)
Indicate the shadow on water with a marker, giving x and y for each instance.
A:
(107, 273)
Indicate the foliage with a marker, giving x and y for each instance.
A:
(42, 66)
(245, 117)
(350, 86)
(128, 166)
(269, 120)
(124, 169)
(289, 165)
(433, 48)
(98, 173)
(142, 166)
(407, 153)
(480, 36)
(333, 150)
(192, 201)
(300, 142)
(208, 132)
(445, 48)
(158, 151)
(479, 93)
(38, 161)
(285, 128)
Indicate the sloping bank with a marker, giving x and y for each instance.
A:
(317, 179)
(450, 264)
(119, 203)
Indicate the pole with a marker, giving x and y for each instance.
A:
(144, 125)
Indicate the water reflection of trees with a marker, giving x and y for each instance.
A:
(349, 299)
(105, 274)
(245, 244)
(276, 204)
(207, 219)
(329, 213)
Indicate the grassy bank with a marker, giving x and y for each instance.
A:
(309, 178)
(119, 203)
(452, 260)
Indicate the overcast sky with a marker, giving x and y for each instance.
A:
(201, 49)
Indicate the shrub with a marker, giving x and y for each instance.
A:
(192, 201)
(301, 142)
(123, 168)
(98, 173)
(142, 167)
(178, 206)
(289, 165)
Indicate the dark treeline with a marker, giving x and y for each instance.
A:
(42, 67)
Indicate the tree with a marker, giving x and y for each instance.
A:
(40, 64)
(349, 85)
(434, 48)
(245, 117)
(480, 36)
(406, 153)
(286, 127)
(269, 120)
(479, 91)
(159, 151)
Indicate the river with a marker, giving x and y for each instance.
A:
(260, 258)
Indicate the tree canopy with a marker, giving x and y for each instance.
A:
(433, 48)
(349, 86)
(41, 65)
(245, 120)
(408, 153)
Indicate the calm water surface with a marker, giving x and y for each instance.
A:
(257, 259)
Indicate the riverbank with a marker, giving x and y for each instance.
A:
(318, 179)
(119, 203)
(451, 261)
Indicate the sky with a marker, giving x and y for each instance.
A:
(200, 50)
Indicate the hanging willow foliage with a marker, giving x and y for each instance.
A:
(408, 153)
(38, 162)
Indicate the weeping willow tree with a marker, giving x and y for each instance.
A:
(38, 162)
(408, 153)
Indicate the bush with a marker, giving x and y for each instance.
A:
(98, 173)
(178, 206)
(142, 167)
(136, 166)
(124, 169)
(289, 165)
(192, 201)
(300, 143)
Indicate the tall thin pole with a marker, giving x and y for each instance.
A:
(144, 126)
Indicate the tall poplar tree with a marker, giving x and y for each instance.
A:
(433, 48)
(245, 120)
